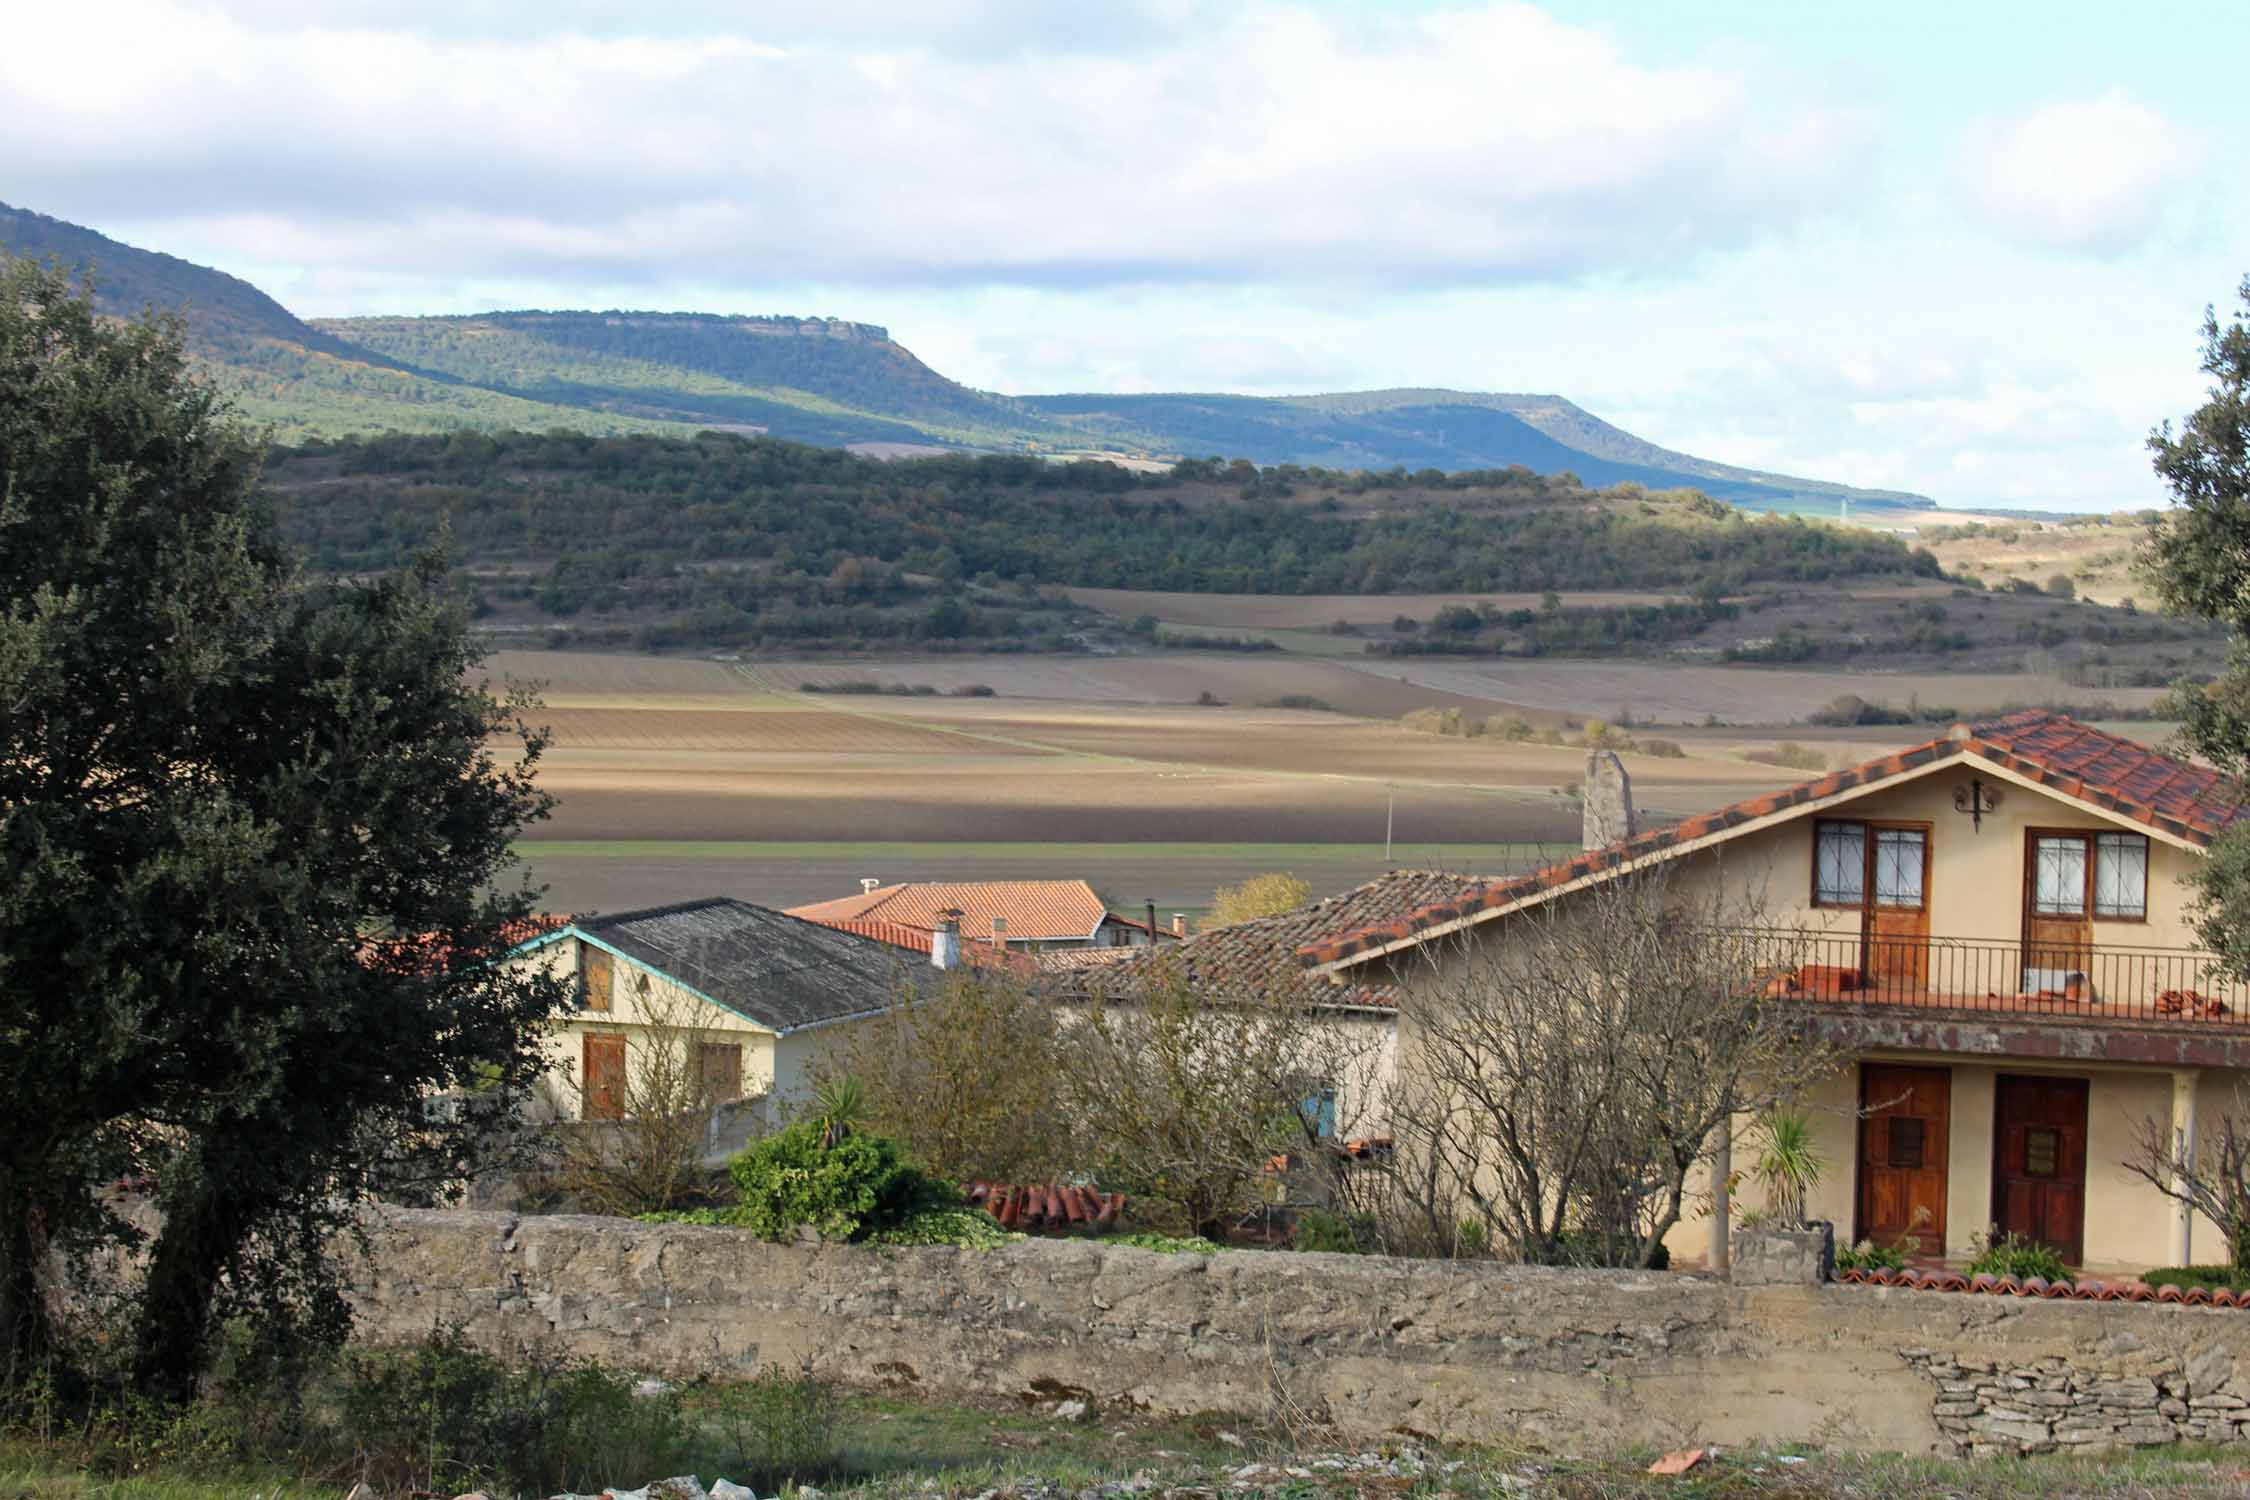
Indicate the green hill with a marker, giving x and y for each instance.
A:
(1451, 431)
(813, 380)
(284, 372)
(829, 382)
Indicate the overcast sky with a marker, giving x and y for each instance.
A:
(1959, 247)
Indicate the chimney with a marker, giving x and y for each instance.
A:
(1152, 924)
(945, 943)
(1608, 800)
(869, 885)
(1179, 924)
(999, 932)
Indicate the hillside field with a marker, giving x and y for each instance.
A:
(679, 777)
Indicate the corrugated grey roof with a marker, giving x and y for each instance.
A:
(778, 970)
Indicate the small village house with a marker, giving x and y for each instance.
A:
(1995, 926)
(756, 992)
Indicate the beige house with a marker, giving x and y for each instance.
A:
(756, 993)
(1995, 925)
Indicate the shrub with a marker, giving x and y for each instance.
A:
(1209, 699)
(2010, 1256)
(1663, 749)
(781, 1424)
(845, 1188)
(1318, 1230)
(446, 1416)
(975, 690)
(1166, 1244)
(1788, 1165)
(1301, 700)
(1508, 727)
(967, 1228)
(1867, 1256)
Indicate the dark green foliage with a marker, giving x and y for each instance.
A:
(734, 541)
(844, 1190)
(442, 1414)
(437, 1416)
(253, 857)
(2012, 1256)
(1342, 1234)
(1867, 1256)
(2198, 556)
(782, 1426)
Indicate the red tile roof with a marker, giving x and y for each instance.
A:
(2071, 759)
(1263, 949)
(975, 952)
(1035, 910)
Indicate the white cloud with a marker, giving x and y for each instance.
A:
(2092, 176)
(1266, 143)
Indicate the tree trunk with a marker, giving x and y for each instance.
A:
(184, 1268)
(25, 1337)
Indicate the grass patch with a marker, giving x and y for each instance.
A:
(1478, 857)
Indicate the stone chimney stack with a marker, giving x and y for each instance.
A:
(1179, 924)
(1608, 800)
(945, 943)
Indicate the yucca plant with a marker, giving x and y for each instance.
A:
(839, 1105)
(1789, 1166)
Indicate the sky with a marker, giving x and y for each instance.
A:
(1959, 248)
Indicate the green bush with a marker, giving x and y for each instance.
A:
(2184, 1277)
(2020, 1258)
(1867, 1256)
(969, 1228)
(442, 1415)
(1165, 1244)
(1340, 1234)
(781, 1424)
(845, 1189)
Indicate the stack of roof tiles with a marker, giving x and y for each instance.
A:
(1045, 1208)
(2053, 750)
(2086, 1290)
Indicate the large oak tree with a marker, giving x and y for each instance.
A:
(254, 857)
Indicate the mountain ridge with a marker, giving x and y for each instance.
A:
(829, 381)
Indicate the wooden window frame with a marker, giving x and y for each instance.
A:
(2091, 838)
(588, 953)
(1869, 828)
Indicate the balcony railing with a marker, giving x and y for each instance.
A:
(2096, 981)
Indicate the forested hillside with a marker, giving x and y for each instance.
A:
(811, 379)
(762, 541)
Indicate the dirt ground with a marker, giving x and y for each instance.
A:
(660, 763)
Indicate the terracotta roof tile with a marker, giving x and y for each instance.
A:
(1035, 910)
(977, 953)
(1262, 949)
(2072, 759)
(2086, 1289)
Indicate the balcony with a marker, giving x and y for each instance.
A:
(1995, 995)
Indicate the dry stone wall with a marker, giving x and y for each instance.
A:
(1568, 1360)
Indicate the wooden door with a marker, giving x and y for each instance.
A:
(1903, 1138)
(2039, 1162)
(605, 1076)
(1896, 947)
(2058, 918)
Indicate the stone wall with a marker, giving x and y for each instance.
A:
(1783, 1257)
(2132, 1397)
(1569, 1360)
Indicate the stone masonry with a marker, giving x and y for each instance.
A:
(1565, 1360)
(2136, 1398)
